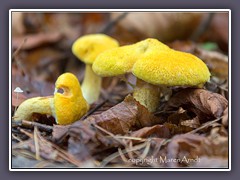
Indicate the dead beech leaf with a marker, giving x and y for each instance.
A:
(31, 87)
(18, 23)
(124, 117)
(225, 118)
(158, 131)
(216, 61)
(36, 40)
(193, 146)
(204, 104)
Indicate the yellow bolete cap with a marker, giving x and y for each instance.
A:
(88, 47)
(121, 60)
(153, 62)
(171, 68)
(69, 105)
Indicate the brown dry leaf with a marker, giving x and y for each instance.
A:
(44, 63)
(124, 117)
(194, 146)
(31, 88)
(204, 104)
(18, 23)
(158, 131)
(36, 40)
(216, 61)
(42, 148)
(225, 118)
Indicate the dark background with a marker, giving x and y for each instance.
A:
(102, 4)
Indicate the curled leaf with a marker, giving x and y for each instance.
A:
(204, 104)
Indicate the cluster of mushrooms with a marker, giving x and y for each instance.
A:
(155, 66)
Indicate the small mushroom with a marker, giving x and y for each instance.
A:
(86, 49)
(67, 105)
(27, 108)
(155, 66)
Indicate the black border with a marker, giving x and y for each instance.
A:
(115, 168)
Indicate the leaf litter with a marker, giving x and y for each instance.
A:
(188, 130)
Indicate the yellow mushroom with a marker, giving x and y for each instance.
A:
(67, 107)
(86, 49)
(155, 66)
(27, 108)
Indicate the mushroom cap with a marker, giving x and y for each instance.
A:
(88, 47)
(172, 68)
(70, 105)
(121, 60)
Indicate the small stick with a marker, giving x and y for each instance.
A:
(31, 124)
(93, 110)
(109, 133)
(112, 23)
(206, 125)
(36, 143)
(19, 48)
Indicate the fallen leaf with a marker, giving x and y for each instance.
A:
(158, 131)
(36, 40)
(17, 23)
(193, 146)
(204, 104)
(225, 118)
(124, 117)
(216, 61)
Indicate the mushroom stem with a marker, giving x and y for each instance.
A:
(40, 105)
(91, 85)
(147, 94)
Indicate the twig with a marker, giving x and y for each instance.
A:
(36, 143)
(31, 124)
(112, 23)
(202, 27)
(116, 154)
(15, 137)
(146, 150)
(122, 155)
(131, 138)
(204, 126)
(19, 48)
(93, 110)
(109, 133)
